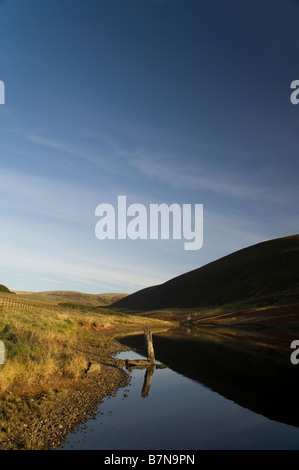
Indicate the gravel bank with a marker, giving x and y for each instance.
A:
(43, 422)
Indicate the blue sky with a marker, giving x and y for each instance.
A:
(164, 101)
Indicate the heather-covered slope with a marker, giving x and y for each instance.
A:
(262, 274)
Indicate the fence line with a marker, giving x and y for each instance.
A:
(19, 303)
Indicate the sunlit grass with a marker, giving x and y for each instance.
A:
(47, 347)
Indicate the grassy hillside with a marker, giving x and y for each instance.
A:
(263, 274)
(72, 297)
(48, 348)
(4, 289)
(46, 389)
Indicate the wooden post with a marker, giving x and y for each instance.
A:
(150, 347)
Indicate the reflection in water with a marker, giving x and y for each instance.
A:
(218, 391)
(147, 381)
(147, 377)
(250, 367)
(149, 364)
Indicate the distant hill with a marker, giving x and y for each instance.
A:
(73, 297)
(262, 274)
(5, 290)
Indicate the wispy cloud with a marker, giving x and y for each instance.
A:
(189, 176)
(99, 150)
(83, 271)
(170, 168)
(62, 147)
(46, 196)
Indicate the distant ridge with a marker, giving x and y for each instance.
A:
(74, 297)
(262, 274)
(5, 289)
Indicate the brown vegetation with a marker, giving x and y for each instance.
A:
(261, 275)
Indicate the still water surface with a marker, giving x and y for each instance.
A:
(209, 403)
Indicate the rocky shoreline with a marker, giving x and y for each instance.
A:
(43, 422)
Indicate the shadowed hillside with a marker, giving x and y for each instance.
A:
(262, 274)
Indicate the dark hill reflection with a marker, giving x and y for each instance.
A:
(250, 367)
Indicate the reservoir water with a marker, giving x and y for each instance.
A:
(219, 391)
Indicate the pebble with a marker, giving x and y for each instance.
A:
(65, 412)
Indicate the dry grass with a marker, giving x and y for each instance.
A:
(47, 348)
